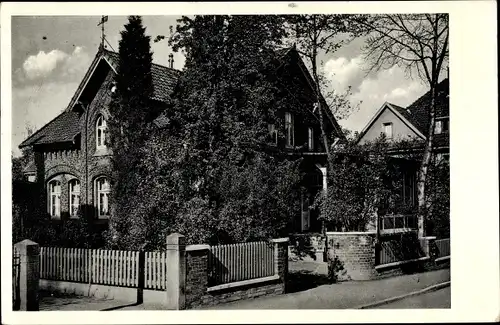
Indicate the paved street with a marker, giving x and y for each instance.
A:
(434, 299)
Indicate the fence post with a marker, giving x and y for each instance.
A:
(176, 271)
(281, 259)
(29, 274)
(141, 275)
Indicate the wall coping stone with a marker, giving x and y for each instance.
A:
(347, 233)
(198, 247)
(280, 240)
(396, 231)
(243, 283)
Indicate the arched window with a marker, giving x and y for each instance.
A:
(100, 136)
(74, 197)
(55, 198)
(103, 190)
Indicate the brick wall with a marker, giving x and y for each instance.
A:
(199, 294)
(355, 251)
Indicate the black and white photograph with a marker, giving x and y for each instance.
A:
(218, 161)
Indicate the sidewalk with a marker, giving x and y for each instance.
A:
(344, 295)
(330, 296)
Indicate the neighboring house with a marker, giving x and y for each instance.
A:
(72, 159)
(397, 122)
(411, 123)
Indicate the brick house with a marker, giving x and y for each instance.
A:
(412, 123)
(72, 162)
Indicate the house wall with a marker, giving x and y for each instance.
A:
(399, 129)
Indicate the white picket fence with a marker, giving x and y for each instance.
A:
(99, 266)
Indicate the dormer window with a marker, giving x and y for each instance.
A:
(100, 137)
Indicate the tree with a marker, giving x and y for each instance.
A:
(131, 113)
(364, 179)
(419, 44)
(313, 34)
(221, 182)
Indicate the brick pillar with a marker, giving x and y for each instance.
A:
(197, 274)
(29, 274)
(281, 259)
(426, 243)
(176, 271)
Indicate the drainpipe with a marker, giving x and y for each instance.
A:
(86, 108)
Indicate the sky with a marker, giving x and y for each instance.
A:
(50, 55)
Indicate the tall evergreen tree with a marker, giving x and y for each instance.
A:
(131, 112)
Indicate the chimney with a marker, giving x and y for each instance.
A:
(171, 61)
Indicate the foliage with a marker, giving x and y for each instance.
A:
(312, 35)
(438, 200)
(208, 173)
(361, 178)
(419, 44)
(131, 113)
(336, 270)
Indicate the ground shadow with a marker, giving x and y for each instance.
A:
(122, 306)
(304, 280)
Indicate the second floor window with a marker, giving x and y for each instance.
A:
(74, 197)
(310, 139)
(55, 198)
(388, 130)
(289, 132)
(441, 126)
(100, 138)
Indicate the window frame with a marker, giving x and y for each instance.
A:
(438, 127)
(54, 204)
(72, 192)
(310, 138)
(289, 129)
(273, 133)
(384, 126)
(101, 127)
(97, 192)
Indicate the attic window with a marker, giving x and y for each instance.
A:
(388, 130)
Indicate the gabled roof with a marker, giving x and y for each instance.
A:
(399, 111)
(292, 50)
(416, 116)
(420, 108)
(64, 127)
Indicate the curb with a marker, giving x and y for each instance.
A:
(414, 293)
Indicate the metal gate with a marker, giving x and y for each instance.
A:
(16, 267)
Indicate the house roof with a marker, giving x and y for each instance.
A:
(416, 116)
(419, 109)
(64, 127)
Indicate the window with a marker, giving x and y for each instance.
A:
(100, 138)
(289, 132)
(388, 130)
(441, 126)
(103, 190)
(74, 197)
(273, 133)
(310, 138)
(55, 198)
(409, 189)
(438, 127)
